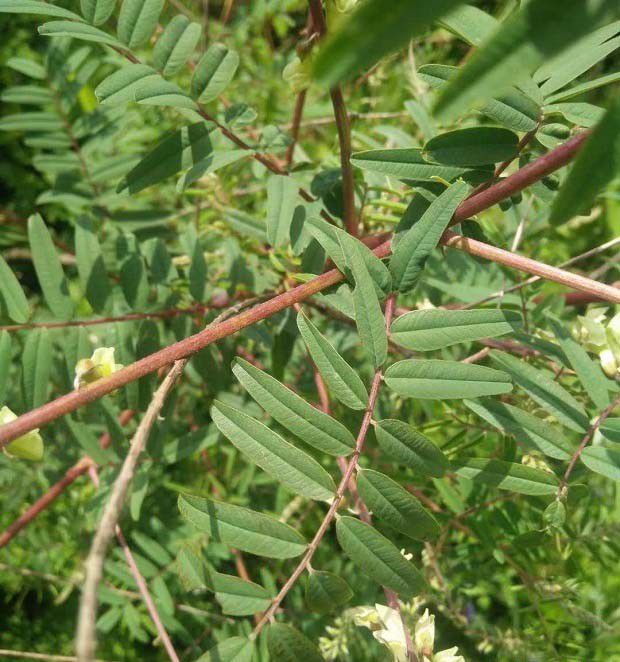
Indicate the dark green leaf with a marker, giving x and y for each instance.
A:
(507, 476)
(90, 264)
(13, 295)
(36, 367)
(326, 591)
(281, 203)
(213, 73)
(474, 146)
(97, 11)
(235, 649)
(286, 644)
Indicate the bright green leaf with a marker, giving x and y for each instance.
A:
(97, 11)
(175, 45)
(281, 203)
(81, 31)
(137, 21)
(507, 476)
(604, 461)
(213, 72)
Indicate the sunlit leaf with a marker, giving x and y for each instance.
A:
(507, 476)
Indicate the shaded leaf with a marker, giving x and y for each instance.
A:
(237, 596)
(13, 295)
(507, 476)
(287, 644)
(473, 146)
(604, 461)
(91, 268)
(213, 72)
(97, 11)
(326, 591)
(281, 203)
(235, 649)
(36, 367)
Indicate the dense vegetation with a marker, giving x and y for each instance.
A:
(395, 432)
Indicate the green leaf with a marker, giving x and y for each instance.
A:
(237, 596)
(341, 379)
(192, 570)
(326, 591)
(294, 413)
(24, 66)
(179, 151)
(393, 505)
(413, 249)
(286, 463)
(406, 163)
(36, 367)
(582, 88)
(507, 476)
(368, 314)
(610, 429)
(242, 528)
(427, 330)
(13, 295)
(49, 270)
(120, 87)
(547, 393)
(155, 91)
(469, 23)
(235, 649)
(213, 72)
(473, 146)
(407, 446)
(331, 239)
(31, 122)
(286, 644)
(597, 164)
(198, 273)
(372, 32)
(531, 431)
(378, 558)
(436, 379)
(581, 114)
(175, 45)
(604, 461)
(137, 20)
(81, 31)
(35, 7)
(281, 203)
(97, 11)
(27, 94)
(590, 374)
(517, 47)
(5, 362)
(91, 267)
(514, 109)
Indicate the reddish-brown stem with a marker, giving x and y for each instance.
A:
(71, 475)
(585, 441)
(526, 176)
(295, 124)
(338, 497)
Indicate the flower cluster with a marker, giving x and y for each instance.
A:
(601, 336)
(387, 627)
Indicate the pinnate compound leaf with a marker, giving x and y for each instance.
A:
(235, 649)
(213, 73)
(378, 558)
(242, 528)
(507, 476)
(281, 203)
(341, 379)
(393, 505)
(137, 20)
(473, 146)
(601, 460)
(517, 47)
(372, 32)
(531, 431)
(37, 8)
(286, 644)
(97, 11)
(325, 592)
(547, 393)
(590, 374)
(36, 367)
(120, 87)
(77, 30)
(175, 45)
(413, 249)
(293, 412)
(597, 164)
(428, 330)
(284, 462)
(49, 270)
(11, 291)
(407, 446)
(179, 151)
(436, 379)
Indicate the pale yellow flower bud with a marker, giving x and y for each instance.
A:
(296, 75)
(425, 633)
(27, 447)
(101, 364)
(609, 363)
(449, 655)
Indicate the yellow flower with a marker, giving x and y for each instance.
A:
(425, 633)
(100, 364)
(27, 447)
(449, 655)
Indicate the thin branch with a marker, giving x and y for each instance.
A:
(86, 637)
(338, 497)
(585, 441)
(27, 655)
(298, 111)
